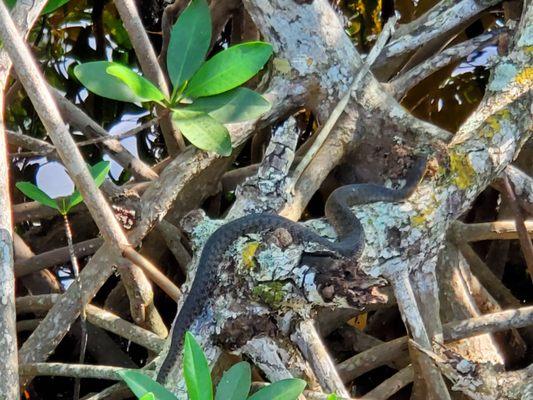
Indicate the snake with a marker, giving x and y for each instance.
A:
(350, 244)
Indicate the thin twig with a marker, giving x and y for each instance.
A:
(72, 370)
(78, 119)
(413, 320)
(525, 241)
(498, 230)
(98, 317)
(312, 348)
(401, 85)
(391, 385)
(55, 257)
(83, 314)
(341, 105)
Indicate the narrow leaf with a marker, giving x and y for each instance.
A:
(287, 389)
(196, 371)
(142, 87)
(99, 172)
(229, 69)
(93, 75)
(241, 104)
(141, 384)
(189, 42)
(34, 193)
(235, 383)
(203, 131)
(53, 5)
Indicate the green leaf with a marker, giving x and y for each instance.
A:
(141, 384)
(235, 383)
(148, 396)
(99, 172)
(34, 193)
(196, 370)
(189, 42)
(241, 104)
(93, 75)
(229, 69)
(203, 131)
(10, 3)
(287, 389)
(142, 87)
(332, 396)
(53, 5)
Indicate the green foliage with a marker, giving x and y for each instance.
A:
(98, 171)
(205, 93)
(53, 5)
(148, 396)
(203, 131)
(332, 396)
(93, 75)
(141, 87)
(189, 42)
(286, 389)
(236, 105)
(196, 370)
(36, 194)
(229, 69)
(141, 384)
(234, 385)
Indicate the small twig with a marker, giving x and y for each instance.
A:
(487, 278)
(411, 78)
(72, 370)
(525, 241)
(523, 187)
(498, 230)
(312, 348)
(98, 317)
(413, 320)
(78, 119)
(42, 148)
(391, 385)
(372, 358)
(55, 257)
(128, 133)
(388, 29)
(495, 322)
(83, 314)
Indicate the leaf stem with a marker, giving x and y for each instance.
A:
(83, 316)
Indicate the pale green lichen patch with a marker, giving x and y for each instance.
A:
(272, 293)
(503, 75)
(526, 39)
(462, 170)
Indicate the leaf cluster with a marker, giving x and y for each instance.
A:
(98, 171)
(234, 385)
(205, 95)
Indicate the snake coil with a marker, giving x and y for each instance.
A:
(338, 212)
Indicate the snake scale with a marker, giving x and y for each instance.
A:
(340, 216)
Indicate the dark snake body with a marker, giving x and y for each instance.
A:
(339, 214)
